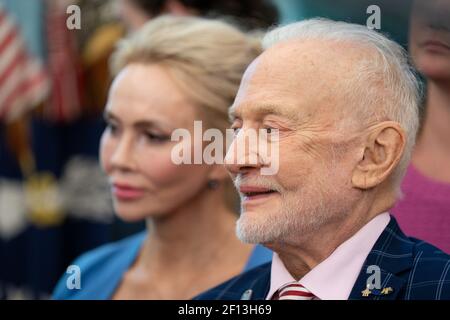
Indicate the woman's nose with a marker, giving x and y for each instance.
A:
(122, 156)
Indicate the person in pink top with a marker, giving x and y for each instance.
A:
(424, 211)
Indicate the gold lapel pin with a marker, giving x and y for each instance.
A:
(387, 290)
(366, 292)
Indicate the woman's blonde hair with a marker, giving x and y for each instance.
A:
(206, 58)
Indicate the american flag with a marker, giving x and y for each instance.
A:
(63, 64)
(23, 81)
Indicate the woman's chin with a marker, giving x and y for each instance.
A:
(129, 214)
(434, 67)
(130, 217)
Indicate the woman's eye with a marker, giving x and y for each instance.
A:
(112, 128)
(156, 138)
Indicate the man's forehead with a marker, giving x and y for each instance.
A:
(276, 69)
(301, 74)
(309, 56)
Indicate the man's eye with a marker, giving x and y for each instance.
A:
(236, 126)
(269, 130)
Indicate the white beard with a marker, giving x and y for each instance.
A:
(300, 215)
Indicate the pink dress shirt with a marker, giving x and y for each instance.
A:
(334, 278)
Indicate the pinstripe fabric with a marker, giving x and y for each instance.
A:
(409, 268)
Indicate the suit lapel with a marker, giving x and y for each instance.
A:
(391, 255)
(259, 288)
(251, 285)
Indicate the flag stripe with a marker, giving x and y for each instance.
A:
(21, 92)
(6, 41)
(23, 82)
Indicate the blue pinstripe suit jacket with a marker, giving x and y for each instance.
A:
(413, 269)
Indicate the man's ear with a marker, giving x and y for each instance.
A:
(382, 151)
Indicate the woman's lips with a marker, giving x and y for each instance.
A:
(436, 46)
(126, 192)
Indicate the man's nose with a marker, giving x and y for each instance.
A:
(242, 155)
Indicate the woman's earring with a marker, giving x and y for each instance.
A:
(213, 184)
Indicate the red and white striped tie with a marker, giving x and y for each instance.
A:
(293, 291)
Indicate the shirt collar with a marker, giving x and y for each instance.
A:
(334, 278)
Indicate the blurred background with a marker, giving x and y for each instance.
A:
(54, 198)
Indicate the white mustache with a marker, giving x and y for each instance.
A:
(261, 182)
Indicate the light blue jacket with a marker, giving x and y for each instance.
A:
(102, 269)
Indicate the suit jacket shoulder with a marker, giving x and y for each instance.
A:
(412, 268)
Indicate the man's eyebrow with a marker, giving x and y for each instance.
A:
(275, 110)
(266, 109)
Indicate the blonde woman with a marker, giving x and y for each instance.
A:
(171, 73)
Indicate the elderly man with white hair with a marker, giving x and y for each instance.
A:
(344, 104)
